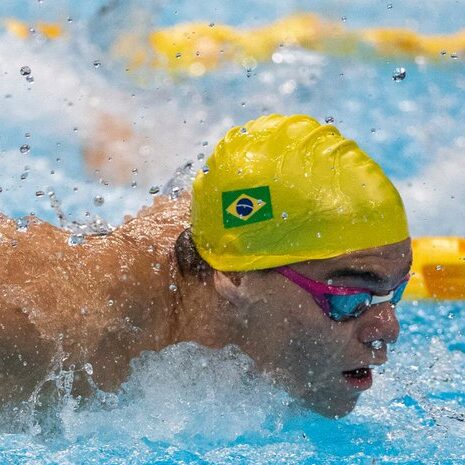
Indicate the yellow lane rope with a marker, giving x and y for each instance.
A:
(196, 48)
(438, 270)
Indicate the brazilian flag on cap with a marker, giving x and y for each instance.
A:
(245, 206)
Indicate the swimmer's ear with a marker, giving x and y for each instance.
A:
(230, 288)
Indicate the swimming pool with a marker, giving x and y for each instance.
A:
(192, 405)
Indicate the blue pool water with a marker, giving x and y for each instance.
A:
(188, 404)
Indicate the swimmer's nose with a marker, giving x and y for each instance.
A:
(379, 322)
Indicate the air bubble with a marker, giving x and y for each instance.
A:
(25, 71)
(75, 239)
(173, 287)
(25, 148)
(97, 64)
(40, 193)
(329, 119)
(205, 169)
(22, 224)
(377, 344)
(284, 215)
(98, 200)
(154, 190)
(399, 74)
(88, 368)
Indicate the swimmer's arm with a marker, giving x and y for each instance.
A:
(104, 301)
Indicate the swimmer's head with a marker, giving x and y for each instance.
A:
(285, 189)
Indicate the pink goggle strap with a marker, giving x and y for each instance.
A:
(315, 287)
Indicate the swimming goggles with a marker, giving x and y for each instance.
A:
(339, 302)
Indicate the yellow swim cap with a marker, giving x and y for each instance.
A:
(285, 189)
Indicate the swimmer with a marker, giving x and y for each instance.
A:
(293, 245)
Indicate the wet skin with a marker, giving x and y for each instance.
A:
(106, 301)
(289, 335)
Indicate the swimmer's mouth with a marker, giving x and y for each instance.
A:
(360, 378)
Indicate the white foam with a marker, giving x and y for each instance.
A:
(185, 392)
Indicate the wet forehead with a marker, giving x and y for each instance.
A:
(377, 267)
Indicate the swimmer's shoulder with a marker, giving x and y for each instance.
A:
(162, 221)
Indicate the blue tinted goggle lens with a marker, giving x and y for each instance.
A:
(351, 306)
(347, 306)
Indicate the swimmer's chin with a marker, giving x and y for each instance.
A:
(334, 409)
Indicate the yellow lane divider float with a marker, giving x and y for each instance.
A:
(438, 270)
(196, 48)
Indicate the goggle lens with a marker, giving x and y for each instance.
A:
(352, 306)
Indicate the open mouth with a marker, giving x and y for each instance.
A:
(360, 378)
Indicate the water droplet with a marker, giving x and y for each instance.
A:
(284, 215)
(211, 24)
(244, 130)
(329, 119)
(443, 52)
(70, 20)
(174, 194)
(205, 169)
(399, 74)
(135, 171)
(343, 19)
(154, 190)
(30, 79)
(88, 368)
(40, 193)
(389, 6)
(377, 344)
(133, 184)
(450, 315)
(25, 148)
(75, 239)
(173, 287)
(439, 267)
(110, 302)
(27, 135)
(178, 55)
(22, 224)
(200, 156)
(454, 56)
(204, 143)
(98, 200)
(24, 176)
(25, 71)
(97, 64)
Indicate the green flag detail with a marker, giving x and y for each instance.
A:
(246, 206)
